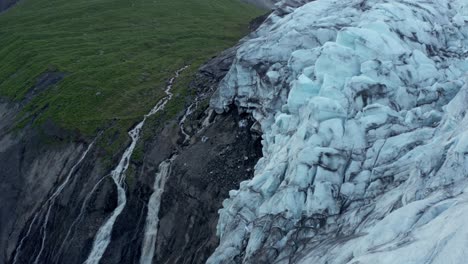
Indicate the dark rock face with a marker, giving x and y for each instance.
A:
(29, 171)
(258, 21)
(32, 169)
(215, 162)
(201, 178)
(29, 167)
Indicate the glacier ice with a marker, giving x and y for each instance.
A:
(362, 106)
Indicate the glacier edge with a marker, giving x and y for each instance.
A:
(362, 106)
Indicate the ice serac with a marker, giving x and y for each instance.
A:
(362, 106)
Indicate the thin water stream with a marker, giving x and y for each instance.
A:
(152, 219)
(47, 208)
(103, 236)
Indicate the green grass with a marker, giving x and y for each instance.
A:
(117, 55)
(113, 138)
(158, 121)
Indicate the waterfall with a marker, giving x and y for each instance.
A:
(103, 236)
(188, 112)
(152, 220)
(47, 206)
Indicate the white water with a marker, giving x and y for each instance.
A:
(154, 203)
(103, 236)
(152, 220)
(48, 206)
(188, 112)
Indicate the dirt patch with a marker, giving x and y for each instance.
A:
(43, 82)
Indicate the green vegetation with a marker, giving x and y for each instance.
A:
(113, 139)
(117, 54)
(173, 107)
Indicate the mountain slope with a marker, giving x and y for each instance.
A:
(74, 77)
(115, 55)
(361, 107)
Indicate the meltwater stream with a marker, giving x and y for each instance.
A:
(152, 220)
(103, 236)
(47, 208)
(154, 203)
(189, 111)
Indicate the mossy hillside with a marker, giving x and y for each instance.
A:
(117, 55)
(180, 100)
(182, 95)
(111, 141)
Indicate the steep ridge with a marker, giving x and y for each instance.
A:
(59, 190)
(42, 216)
(29, 171)
(362, 106)
(78, 206)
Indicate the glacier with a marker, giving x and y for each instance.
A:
(362, 108)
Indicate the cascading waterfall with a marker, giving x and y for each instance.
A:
(47, 207)
(154, 203)
(103, 236)
(189, 111)
(152, 220)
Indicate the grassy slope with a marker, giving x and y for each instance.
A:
(117, 54)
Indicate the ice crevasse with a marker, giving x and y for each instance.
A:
(362, 107)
